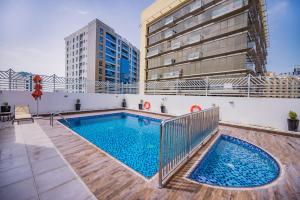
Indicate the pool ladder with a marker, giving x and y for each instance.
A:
(52, 115)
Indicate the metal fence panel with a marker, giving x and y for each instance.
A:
(248, 86)
(180, 137)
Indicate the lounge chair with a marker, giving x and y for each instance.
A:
(22, 114)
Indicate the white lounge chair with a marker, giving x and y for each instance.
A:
(21, 113)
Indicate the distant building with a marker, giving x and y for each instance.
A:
(295, 72)
(97, 53)
(282, 86)
(192, 39)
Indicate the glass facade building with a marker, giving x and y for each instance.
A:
(194, 39)
(97, 53)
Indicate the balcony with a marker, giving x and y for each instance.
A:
(194, 55)
(194, 39)
(171, 74)
(196, 5)
(153, 53)
(169, 61)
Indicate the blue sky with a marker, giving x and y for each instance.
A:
(32, 31)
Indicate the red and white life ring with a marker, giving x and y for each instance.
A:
(195, 108)
(147, 105)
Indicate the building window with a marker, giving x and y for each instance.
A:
(110, 37)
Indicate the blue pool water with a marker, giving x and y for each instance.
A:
(132, 139)
(235, 163)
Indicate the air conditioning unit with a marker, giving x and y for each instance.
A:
(196, 5)
(171, 74)
(194, 39)
(169, 33)
(169, 61)
(194, 55)
(175, 44)
(169, 20)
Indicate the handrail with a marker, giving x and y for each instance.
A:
(181, 137)
(244, 86)
(59, 114)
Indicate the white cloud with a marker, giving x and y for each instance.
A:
(279, 8)
(76, 11)
(82, 12)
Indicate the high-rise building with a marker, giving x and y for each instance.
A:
(191, 39)
(97, 53)
(296, 71)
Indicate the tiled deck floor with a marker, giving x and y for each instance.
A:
(32, 168)
(108, 179)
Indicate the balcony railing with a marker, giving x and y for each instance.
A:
(247, 86)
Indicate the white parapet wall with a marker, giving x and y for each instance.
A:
(265, 112)
(61, 102)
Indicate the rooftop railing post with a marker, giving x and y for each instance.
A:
(249, 82)
(54, 89)
(9, 78)
(107, 87)
(160, 184)
(206, 86)
(176, 86)
(189, 136)
(30, 83)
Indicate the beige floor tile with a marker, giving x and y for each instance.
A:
(48, 164)
(15, 175)
(37, 153)
(13, 162)
(54, 178)
(12, 150)
(18, 191)
(72, 190)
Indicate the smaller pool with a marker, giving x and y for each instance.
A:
(232, 162)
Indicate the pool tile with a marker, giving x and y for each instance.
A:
(235, 163)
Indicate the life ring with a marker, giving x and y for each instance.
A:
(195, 107)
(147, 105)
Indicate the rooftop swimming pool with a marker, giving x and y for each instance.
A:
(232, 162)
(131, 139)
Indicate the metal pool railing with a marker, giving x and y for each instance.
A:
(180, 137)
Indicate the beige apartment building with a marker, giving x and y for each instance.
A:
(194, 39)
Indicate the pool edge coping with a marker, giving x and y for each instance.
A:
(267, 185)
